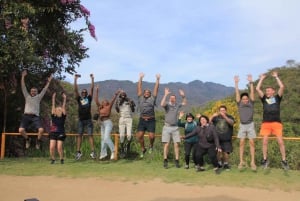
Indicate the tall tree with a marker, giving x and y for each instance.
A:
(36, 35)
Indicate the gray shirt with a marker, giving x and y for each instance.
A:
(146, 106)
(246, 112)
(171, 113)
(32, 103)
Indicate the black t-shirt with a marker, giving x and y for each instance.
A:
(271, 108)
(84, 107)
(58, 124)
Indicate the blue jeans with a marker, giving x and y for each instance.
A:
(106, 128)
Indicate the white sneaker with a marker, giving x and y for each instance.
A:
(112, 156)
(102, 157)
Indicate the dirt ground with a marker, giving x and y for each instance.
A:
(45, 188)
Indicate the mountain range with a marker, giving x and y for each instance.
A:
(197, 92)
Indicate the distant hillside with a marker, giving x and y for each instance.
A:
(197, 92)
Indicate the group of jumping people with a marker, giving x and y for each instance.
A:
(202, 135)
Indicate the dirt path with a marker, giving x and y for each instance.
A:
(19, 188)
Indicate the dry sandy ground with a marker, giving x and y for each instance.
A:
(19, 188)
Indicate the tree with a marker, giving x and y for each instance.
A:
(36, 35)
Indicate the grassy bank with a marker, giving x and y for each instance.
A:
(149, 169)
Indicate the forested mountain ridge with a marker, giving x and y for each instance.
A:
(197, 92)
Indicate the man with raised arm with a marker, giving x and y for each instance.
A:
(32, 110)
(84, 101)
(245, 103)
(170, 128)
(146, 102)
(271, 123)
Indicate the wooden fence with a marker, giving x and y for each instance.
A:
(115, 136)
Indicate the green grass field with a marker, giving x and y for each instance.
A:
(149, 169)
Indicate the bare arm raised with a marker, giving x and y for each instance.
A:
(155, 90)
(236, 85)
(258, 87)
(182, 94)
(139, 86)
(279, 82)
(163, 100)
(250, 80)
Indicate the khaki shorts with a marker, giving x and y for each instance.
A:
(247, 131)
(269, 128)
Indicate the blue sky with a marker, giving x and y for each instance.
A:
(186, 40)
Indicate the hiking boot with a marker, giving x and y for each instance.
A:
(285, 165)
(62, 161)
(166, 164)
(52, 161)
(78, 155)
(27, 143)
(93, 155)
(38, 144)
(177, 164)
(226, 167)
(143, 153)
(265, 163)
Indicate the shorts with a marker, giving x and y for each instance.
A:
(57, 136)
(146, 125)
(169, 132)
(247, 131)
(226, 146)
(85, 123)
(31, 119)
(268, 128)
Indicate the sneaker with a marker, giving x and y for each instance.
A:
(62, 161)
(52, 161)
(112, 156)
(226, 167)
(285, 165)
(102, 157)
(93, 155)
(186, 166)
(78, 156)
(150, 150)
(143, 153)
(177, 164)
(217, 170)
(265, 163)
(220, 164)
(27, 143)
(200, 169)
(166, 164)
(38, 144)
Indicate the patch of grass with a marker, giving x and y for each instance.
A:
(149, 169)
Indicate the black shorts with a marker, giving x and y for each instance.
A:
(146, 125)
(57, 136)
(226, 146)
(31, 119)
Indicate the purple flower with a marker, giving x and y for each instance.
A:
(84, 10)
(92, 30)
